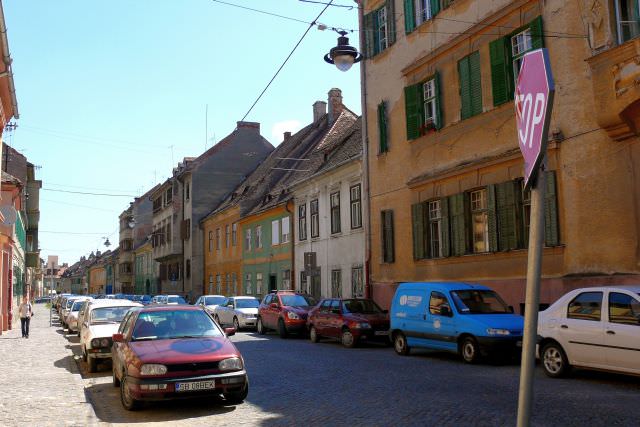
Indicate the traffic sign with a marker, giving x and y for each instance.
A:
(534, 100)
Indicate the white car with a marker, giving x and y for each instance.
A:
(210, 302)
(72, 318)
(100, 321)
(241, 312)
(594, 328)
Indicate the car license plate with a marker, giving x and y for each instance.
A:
(196, 386)
(381, 333)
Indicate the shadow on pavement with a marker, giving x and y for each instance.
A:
(106, 402)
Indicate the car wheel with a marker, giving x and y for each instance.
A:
(128, 402)
(313, 335)
(469, 350)
(260, 327)
(116, 381)
(282, 329)
(236, 324)
(347, 339)
(237, 397)
(92, 364)
(554, 360)
(400, 344)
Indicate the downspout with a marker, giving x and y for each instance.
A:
(365, 153)
(6, 59)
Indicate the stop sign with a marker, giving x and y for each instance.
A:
(534, 101)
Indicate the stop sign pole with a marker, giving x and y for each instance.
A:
(533, 102)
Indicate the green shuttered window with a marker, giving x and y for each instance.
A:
(423, 107)
(380, 29)
(470, 85)
(383, 143)
(416, 12)
(388, 247)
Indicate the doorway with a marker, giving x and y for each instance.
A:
(273, 283)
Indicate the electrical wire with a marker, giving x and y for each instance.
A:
(286, 60)
(88, 194)
(69, 232)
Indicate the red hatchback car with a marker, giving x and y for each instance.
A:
(284, 311)
(175, 351)
(349, 320)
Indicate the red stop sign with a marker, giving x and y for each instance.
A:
(534, 101)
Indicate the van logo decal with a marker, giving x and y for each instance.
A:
(410, 300)
(436, 323)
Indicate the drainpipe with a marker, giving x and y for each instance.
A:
(365, 155)
(6, 59)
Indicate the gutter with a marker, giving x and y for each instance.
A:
(6, 59)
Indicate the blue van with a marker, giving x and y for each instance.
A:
(468, 319)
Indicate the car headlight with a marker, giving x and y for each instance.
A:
(230, 364)
(100, 342)
(493, 331)
(153, 369)
(363, 325)
(293, 316)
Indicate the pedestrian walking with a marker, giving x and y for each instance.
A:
(26, 311)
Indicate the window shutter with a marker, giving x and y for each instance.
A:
(412, 103)
(492, 223)
(444, 237)
(476, 83)
(435, 7)
(417, 216)
(439, 119)
(551, 228)
(537, 36)
(369, 28)
(507, 215)
(465, 88)
(500, 76)
(387, 220)
(382, 127)
(458, 224)
(409, 16)
(391, 21)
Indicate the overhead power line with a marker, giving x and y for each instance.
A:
(89, 194)
(69, 232)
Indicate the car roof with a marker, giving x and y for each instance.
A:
(631, 288)
(115, 303)
(243, 297)
(163, 307)
(442, 286)
(221, 296)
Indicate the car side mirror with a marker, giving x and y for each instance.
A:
(229, 331)
(445, 310)
(117, 338)
(510, 309)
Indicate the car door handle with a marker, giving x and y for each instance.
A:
(564, 326)
(611, 332)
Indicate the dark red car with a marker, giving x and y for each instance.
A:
(348, 320)
(284, 311)
(175, 351)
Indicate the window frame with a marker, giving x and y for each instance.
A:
(336, 283)
(334, 206)
(275, 232)
(247, 239)
(302, 222)
(258, 237)
(285, 237)
(355, 203)
(483, 212)
(569, 315)
(315, 217)
(387, 236)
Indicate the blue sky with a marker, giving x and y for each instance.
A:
(112, 93)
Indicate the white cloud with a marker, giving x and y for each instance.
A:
(279, 128)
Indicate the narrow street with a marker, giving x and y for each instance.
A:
(295, 382)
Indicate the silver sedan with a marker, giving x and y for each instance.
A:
(241, 312)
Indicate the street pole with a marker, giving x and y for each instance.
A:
(532, 299)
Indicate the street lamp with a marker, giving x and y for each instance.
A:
(343, 56)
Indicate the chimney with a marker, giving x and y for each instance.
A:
(335, 104)
(253, 126)
(287, 135)
(319, 110)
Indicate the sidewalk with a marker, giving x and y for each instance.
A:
(39, 381)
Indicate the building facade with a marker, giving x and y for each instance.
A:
(443, 162)
(222, 252)
(146, 270)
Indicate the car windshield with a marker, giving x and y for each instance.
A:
(108, 314)
(297, 300)
(76, 305)
(173, 324)
(474, 301)
(145, 298)
(176, 300)
(213, 300)
(247, 303)
(362, 306)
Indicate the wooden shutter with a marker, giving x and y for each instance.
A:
(537, 36)
(382, 128)
(501, 74)
(387, 236)
(492, 223)
(458, 224)
(445, 235)
(413, 110)
(507, 213)
(370, 30)
(551, 228)
(465, 88)
(435, 7)
(475, 78)
(439, 119)
(391, 21)
(417, 220)
(409, 16)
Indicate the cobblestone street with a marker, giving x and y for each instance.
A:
(295, 382)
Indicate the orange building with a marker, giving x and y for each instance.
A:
(222, 251)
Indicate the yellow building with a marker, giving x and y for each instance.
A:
(222, 251)
(97, 278)
(444, 167)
